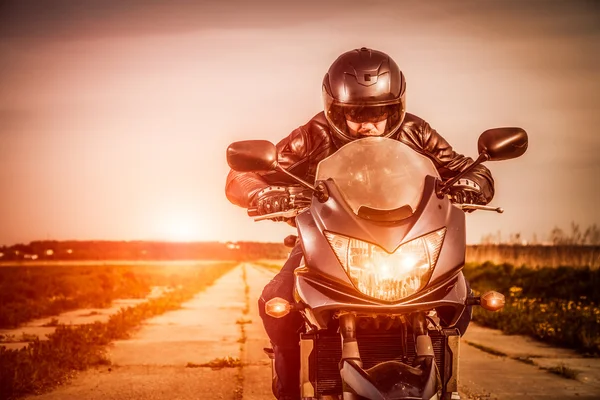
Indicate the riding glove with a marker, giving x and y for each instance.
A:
(273, 199)
(466, 191)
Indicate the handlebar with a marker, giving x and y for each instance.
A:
(463, 207)
(253, 211)
(291, 213)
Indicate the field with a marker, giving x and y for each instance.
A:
(45, 363)
(536, 256)
(33, 291)
(557, 305)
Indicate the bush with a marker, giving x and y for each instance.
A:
(556, 305)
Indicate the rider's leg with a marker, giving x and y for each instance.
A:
(283, 332)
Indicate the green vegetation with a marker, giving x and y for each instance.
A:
(488, 350)
(43, 364)
(556, 305)
(564, 371)
(52, 250)
(525, 360)
(29, 292)
(218, 363)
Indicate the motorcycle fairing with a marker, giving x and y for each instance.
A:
(324, 299)
(322, 265)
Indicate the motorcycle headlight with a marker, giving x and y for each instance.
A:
(384, 276)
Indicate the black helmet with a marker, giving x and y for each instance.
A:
(363, 85)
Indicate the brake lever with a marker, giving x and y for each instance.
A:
(281, 214)
(499, 210)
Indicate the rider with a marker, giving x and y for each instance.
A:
(363, 95)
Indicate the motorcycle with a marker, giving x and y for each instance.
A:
(380, 286)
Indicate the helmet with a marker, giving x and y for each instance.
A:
(363, 85)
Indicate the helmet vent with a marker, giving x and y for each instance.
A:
(367, 77)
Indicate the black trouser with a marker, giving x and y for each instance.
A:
(284, 332)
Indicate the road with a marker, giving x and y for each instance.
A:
(223, 321)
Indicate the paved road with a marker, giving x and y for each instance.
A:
(223, 321)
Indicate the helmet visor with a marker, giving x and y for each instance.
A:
(366, 114)
(341, 114)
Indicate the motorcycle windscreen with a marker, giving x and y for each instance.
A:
(378, 174)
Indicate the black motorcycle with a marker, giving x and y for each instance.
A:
(380, 286)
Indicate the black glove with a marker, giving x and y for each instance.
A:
(465, 191)
(272, 199)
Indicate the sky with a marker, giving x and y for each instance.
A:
(115, 115)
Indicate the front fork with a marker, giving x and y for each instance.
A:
(349, 348)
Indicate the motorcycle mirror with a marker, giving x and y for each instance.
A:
(493, 145)
(502, 143)
(492, 301)
(261, 155)
(252, 156)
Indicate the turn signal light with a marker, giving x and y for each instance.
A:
(492, 301)
(277, 307)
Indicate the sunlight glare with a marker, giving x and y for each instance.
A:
(180, 228)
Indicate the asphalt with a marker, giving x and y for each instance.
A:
(223, 321)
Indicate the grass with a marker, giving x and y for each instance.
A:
(558, 306)
(218, 363)
(30, 292)
(564, 371)
(53, 323)
(488, 350)
(90, 314)
(45, 364)
(525, 360)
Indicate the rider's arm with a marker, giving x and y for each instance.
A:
(241, 187)
(450, 163)
(298, 153)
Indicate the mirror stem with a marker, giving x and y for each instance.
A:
(446, 186)
(294, 177)
(320, 190)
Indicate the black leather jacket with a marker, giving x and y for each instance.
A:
(306, 146)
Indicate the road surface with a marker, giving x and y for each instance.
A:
(223, 321)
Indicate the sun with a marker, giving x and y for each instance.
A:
(180, 228)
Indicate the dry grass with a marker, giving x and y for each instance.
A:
(486, 349)
(536, 256)
(564, 371)
(218, 363)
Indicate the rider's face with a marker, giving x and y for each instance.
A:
(366, 128)
(366, 121)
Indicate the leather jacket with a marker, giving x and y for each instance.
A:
(306, 146)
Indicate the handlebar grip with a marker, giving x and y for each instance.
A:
(253, 212)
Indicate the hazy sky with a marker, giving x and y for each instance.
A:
(115, 115)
